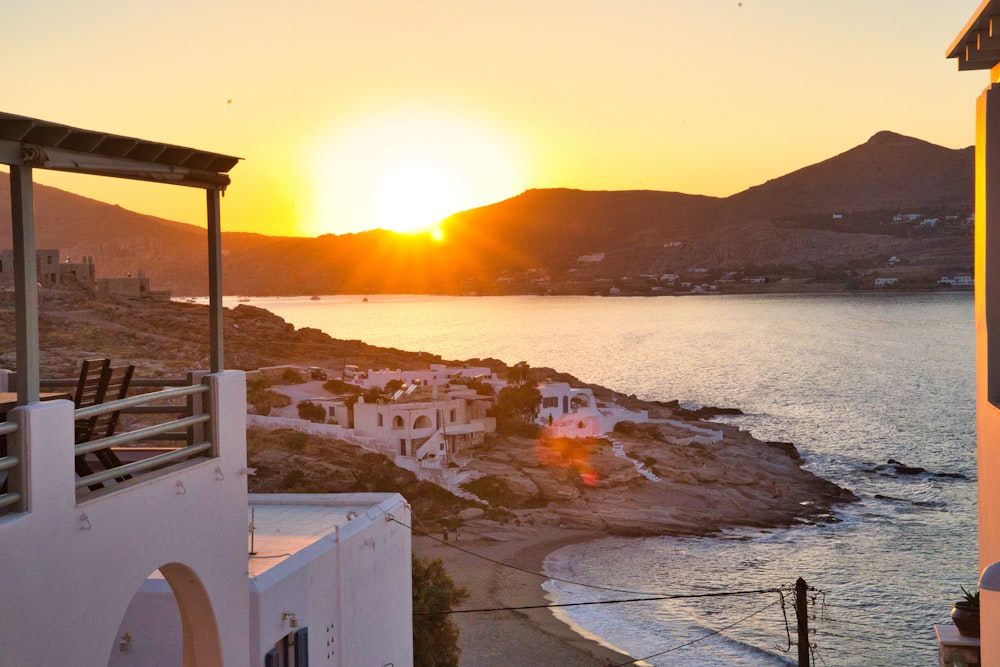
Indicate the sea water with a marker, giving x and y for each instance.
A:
(852, 380)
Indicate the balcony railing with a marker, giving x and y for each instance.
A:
(10, 467)
(188, 429)
(182, 414)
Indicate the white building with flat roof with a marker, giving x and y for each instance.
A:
(573, 412)
(329, 584)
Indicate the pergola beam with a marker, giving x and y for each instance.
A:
(27, 144)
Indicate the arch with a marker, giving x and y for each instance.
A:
(194, 624)
(202, 647)
(397, 422)
(423, 421)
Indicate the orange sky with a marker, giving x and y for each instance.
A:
(393, 113)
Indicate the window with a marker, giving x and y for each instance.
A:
(397, 422)
(380, 420)
(550, 402)
(291, 651)
(453, 415)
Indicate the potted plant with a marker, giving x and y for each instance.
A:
(965, 614)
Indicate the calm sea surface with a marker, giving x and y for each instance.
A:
(853, 380)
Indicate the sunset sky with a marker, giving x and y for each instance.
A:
(358, 114)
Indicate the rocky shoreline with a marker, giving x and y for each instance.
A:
(708, 476)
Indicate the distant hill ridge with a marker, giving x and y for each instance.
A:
(544, 232)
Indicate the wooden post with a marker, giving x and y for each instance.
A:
(802, 621)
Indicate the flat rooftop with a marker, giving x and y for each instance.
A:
(284, 524)
(287, 524)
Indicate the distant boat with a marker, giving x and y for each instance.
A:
(314, 298)
(364, 300)
(243, 299)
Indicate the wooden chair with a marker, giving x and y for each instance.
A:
(111, 384)
(116, 382)
(89, 391)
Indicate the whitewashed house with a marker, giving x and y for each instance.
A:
(575, 413)
(431, 429)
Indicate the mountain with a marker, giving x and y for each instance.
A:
(833, 216)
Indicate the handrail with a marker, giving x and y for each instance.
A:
(8, 462)
(141, 399)
(59, 383)
(138, 434)
(138, 466)
(178, 427)
(10, 498)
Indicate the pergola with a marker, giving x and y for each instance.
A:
(978, 45)
(27, 144)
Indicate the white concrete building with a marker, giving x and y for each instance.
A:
(575, 413)
(430, 429)
(435, 375)
(145, 560)
(318, 587)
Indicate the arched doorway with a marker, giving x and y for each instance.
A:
(169, 620)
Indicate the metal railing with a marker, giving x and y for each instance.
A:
(11, 494)
(192, 430)
(185, 436)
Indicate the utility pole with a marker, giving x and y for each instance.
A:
(802, 621)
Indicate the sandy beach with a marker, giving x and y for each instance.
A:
(503, 638)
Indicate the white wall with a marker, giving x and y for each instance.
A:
(352, 589)
(68, 572)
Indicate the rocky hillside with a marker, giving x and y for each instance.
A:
(832, 215)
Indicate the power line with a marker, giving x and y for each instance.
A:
(703, 637)
(542, 606)
(658, 594)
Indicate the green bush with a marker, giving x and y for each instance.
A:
(435, 637)
(312, 412)
(340, 387)
(291, 376)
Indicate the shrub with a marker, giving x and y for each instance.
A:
(312, 412)
(435, 637)
(263, 399)
(291, 376)
(340, 387)
(295, 441)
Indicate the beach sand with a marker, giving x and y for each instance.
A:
(504, 638)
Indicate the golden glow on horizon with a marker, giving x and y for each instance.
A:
(407, 171)
(583, 95)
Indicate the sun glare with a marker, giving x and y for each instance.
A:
(406, 172)
(414, 194)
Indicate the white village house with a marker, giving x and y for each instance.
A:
(162, 557)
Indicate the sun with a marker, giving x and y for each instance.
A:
(415, 193)
(407, 170)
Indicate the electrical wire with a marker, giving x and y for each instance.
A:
(703, 637)
(658, 594)
(541, 606)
